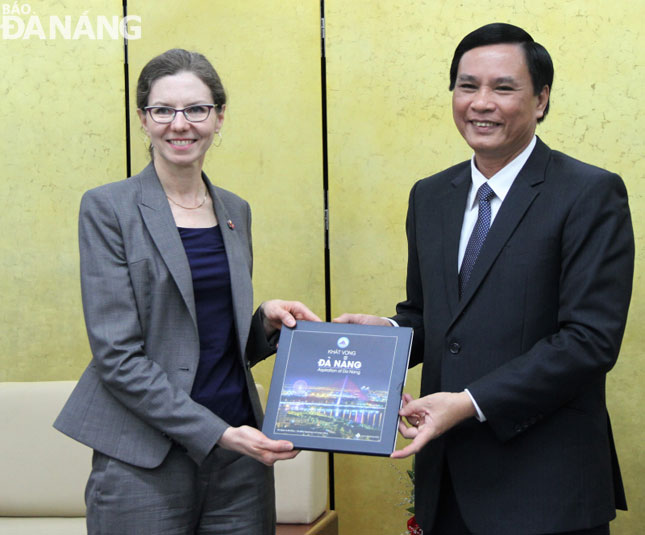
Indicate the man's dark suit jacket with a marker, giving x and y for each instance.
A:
(532, 338)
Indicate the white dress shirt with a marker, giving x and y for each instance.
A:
(500, 183)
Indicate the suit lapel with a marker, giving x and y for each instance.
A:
(523, 192)
(453, 206)
(241, 287)
(161, 225)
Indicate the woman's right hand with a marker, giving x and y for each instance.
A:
(278, 312)
(252, 442)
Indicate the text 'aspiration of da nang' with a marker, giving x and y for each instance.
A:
(334, 364)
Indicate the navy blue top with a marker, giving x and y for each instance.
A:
(219, 383)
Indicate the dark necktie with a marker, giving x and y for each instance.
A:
(478, 236)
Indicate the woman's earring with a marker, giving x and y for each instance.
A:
(220, 139)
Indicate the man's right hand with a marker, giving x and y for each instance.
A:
(362, 319)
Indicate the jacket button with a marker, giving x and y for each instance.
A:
(454, 348)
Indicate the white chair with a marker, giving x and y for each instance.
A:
(43, 473)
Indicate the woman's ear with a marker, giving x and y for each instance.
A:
(219, 117)
(143, 117)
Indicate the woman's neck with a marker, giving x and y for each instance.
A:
(180, 181)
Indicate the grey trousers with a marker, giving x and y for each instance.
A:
(228, 494)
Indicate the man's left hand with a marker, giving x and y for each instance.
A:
(430, 417)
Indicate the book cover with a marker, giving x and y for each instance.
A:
(337, 387)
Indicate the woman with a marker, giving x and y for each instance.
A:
(168, 402)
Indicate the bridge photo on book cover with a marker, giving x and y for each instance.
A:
(340, 390)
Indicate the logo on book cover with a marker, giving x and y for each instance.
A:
(343, 342)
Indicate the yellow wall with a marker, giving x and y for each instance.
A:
(63, 103)
(271, 151)
(389, 124)
(63, 132)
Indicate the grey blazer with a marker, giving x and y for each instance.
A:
(133, 400)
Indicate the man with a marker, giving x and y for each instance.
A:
(520, 266)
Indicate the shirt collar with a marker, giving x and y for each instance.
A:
(501, 181)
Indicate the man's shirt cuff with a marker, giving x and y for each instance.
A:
(480, 415)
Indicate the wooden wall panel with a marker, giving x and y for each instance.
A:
(271, 153)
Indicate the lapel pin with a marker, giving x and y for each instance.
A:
(230, 224)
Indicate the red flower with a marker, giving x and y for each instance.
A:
(413, 527)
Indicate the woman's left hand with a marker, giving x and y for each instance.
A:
(252, 442)
(278, 312)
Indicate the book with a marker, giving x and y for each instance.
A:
(338, 387)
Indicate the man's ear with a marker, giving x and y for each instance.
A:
(543, 100)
